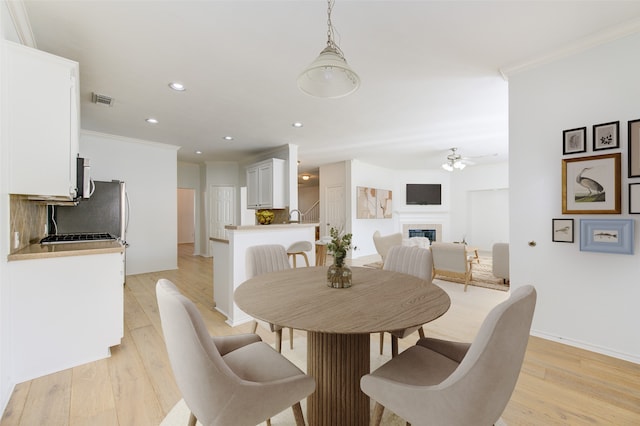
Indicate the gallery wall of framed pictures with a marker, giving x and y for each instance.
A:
(592, 184)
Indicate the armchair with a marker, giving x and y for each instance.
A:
(451, 260)
(500, 261)
(384, 243)
(457, 384)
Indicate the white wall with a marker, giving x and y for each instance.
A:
(476, 191)
(585, 299)
(455, 214)
(150, 173)
(6, 385)
(307, 197)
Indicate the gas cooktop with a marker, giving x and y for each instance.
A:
(77, 238)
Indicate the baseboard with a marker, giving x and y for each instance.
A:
(587, 347)
(7, 391)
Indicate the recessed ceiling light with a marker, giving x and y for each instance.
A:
(228, 138)
(297, 124)
(306, 177)
(177, 86)
(151, 120)
(198, 152)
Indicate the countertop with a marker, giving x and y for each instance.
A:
(44, 251)
(267, 227)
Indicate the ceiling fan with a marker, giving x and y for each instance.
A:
(454, 161)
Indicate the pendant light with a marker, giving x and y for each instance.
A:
(329, 76)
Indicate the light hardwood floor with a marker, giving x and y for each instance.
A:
(559, 385)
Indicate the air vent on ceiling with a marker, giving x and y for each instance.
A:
(97, 98)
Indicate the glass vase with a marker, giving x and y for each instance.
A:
(339, 275)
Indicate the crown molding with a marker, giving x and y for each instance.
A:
(620, 31)
(21, 22)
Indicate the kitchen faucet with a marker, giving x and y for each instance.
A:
(299, 216)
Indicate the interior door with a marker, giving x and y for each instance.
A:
(222, 208)
(335, 208)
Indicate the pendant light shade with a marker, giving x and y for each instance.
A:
(329, 76)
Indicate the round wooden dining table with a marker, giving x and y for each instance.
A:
(338, 324)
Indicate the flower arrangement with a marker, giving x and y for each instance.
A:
(339, 246)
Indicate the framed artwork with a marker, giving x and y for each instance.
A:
(562, 230)
(607, 235)
(374, 203)
(606, 136)
(634, 148)
(366, 203)
(384, 204)
(591, 185)
(634, 198)
(574, 141)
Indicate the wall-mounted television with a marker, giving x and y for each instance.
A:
(424, 194)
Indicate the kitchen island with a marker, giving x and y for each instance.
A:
(67, 305)
(230, 262)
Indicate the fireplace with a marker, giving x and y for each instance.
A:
(431, 234)
(432, 231)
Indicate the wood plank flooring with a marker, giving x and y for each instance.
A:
(559, 384)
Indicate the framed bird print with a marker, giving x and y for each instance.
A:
(562, 230)
(574, 141)
(591, 185)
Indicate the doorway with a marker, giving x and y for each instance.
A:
(186, 215)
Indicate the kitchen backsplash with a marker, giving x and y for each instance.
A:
(28, 219)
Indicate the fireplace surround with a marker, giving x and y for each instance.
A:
(432, 231)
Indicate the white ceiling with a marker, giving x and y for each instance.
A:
(430, 71)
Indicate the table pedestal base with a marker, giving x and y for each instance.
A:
(337, 362)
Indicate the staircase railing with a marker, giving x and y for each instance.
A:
(312, 215)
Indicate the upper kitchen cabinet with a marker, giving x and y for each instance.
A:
(42, 121)
(266, 185)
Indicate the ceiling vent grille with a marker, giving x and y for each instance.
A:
(97, 98)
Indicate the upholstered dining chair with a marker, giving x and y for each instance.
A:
(451, 260)
(437, 382)
(384, 243)
(226, 380)
(263, 259)
(409, 260)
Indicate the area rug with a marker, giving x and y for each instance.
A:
(481, 272)
(179, 414)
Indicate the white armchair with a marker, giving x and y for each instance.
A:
(500, 261)
(384, 243)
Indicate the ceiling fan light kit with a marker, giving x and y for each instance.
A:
(329, 76)
(454, 161)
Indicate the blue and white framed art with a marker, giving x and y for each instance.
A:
(607, 235)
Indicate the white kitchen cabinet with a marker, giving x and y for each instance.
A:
(42, 121)
(65, 311)
(266, 185)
